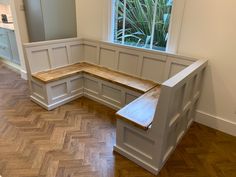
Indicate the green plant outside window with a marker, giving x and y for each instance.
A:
(143, 23)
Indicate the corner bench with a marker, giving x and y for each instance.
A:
(129, 86)
(140, 112)
(131, 82)
(152, 117)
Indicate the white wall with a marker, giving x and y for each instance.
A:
(90, 18)
(20, 15)
(208, 31)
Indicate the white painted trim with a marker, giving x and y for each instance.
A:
(108, 20)
(216, 122)
(57, 104)
(17, 34)
(153, 24)
(177, 15)
(23, 74)
(16, 67)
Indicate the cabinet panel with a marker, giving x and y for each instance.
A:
(5, 52)
(13, 46)
(8, 46)
(4, 40)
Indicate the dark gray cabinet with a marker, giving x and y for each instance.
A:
(50, 19)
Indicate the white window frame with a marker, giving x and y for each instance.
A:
(175, 26)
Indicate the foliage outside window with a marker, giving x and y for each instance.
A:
(142, 23)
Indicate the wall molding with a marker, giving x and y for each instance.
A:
(216, 122)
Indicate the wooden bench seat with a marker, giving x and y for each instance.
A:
(131, 82)
(141, 111)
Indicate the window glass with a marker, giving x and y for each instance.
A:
(142, 23)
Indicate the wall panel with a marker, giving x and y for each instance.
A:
(39, 61)
(153, 69)
(77, 51)
(107, 58)
(128, 63)
(90, 53)
(60, 57)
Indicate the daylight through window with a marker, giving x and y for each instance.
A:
(142, 23)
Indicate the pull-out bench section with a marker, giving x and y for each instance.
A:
(58, 86)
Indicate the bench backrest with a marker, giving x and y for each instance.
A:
(147, 64)
(177, 105)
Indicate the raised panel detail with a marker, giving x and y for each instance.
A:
(153, 69)
(37, 90)
(90, 53)
(59, 91)
(175, 68)
(129, 98)
(76, 85)
(107, 58)
(111, 93)
(128, 63)
(137, 142)
(39, 61)
(60, 57)
(76, 53)
(91, 85)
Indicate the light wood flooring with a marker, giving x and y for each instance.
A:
(76, 140)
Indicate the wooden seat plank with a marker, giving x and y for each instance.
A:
(59, 73)
(141, 111)
(131, 82)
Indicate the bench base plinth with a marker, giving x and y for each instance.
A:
(136, 160)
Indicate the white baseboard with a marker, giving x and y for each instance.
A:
(13, 66)
(23, 74)
(216, 122)
(16, 68)
(55, 105)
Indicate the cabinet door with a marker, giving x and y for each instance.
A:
(13, 46)
(5, 49)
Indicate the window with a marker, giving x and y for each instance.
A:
(142, 23)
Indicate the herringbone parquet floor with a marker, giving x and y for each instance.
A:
(76, 140)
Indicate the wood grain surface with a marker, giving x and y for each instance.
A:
(122, 79)
(141, 111)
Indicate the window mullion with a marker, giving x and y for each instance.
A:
(153, 24)
(124, 17)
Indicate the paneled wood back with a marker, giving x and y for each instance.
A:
(147, 64)
(46, 55)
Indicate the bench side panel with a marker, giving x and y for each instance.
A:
(176, 107)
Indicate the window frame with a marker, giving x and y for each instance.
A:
(175, 25)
